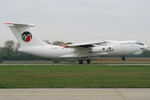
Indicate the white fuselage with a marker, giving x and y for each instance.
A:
(30, 43)
(115, 48)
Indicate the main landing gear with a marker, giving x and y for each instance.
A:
(123, 58)
(88, 61)
(80, 61)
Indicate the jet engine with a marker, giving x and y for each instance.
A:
(100, 49)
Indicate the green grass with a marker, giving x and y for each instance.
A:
(74, 76)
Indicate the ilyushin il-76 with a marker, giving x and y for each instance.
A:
(30, 43)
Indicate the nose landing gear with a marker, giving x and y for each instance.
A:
(80, 61)
(123, 58)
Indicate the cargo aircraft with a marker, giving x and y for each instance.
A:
(31, 44)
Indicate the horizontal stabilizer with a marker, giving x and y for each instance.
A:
(18, 24)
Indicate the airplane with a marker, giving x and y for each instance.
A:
(31, 44)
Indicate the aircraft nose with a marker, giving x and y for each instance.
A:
(146, 47)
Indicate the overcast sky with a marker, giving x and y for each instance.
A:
(79, 20)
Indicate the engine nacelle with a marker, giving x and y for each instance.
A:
(100, 49)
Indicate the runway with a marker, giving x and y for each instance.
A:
(75, 94)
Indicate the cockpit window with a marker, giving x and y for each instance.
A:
(139, 43)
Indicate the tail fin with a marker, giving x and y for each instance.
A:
(24, 35)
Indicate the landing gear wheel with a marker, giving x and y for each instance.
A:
(88, 61)
(123, 58)
(80, 61)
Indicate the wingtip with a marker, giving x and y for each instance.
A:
(7, 23)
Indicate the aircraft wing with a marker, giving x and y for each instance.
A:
(86, 44)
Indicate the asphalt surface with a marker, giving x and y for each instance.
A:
(75, 94)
